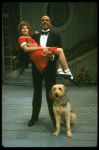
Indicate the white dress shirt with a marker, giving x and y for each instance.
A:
(43, 40)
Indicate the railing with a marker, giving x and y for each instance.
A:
(87, 60)
(17, 62)
(20, 59)
(81, 48)
(17, 55)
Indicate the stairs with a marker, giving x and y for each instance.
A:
(26, 79)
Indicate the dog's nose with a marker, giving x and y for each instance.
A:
(56, 94)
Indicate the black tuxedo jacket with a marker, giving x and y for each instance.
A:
(53, 40)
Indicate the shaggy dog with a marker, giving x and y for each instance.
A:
(61, 108)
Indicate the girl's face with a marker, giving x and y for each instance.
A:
(25, 31)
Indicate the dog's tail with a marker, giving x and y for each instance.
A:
(72, 117)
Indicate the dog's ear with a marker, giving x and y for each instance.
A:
(50, 94)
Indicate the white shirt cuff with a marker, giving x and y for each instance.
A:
(52, 58)
(22, 44)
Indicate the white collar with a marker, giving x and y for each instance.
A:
(46, 30)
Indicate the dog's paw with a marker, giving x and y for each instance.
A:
(55, 133)
(69, 134)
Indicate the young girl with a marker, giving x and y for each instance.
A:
(37, 53)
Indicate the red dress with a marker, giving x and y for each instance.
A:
(39, 60)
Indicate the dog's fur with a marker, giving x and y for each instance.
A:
(61, 108)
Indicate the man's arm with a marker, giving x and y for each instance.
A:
(58, 44)
(47, 53)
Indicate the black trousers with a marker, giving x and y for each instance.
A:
(50, 80)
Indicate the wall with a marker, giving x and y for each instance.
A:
(82, 21)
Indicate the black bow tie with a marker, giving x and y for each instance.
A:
(44, 32)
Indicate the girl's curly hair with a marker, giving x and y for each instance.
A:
(23, 23)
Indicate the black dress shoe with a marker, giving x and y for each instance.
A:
(31, 123)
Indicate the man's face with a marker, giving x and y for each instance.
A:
(45, 23)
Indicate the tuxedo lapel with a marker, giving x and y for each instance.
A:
(50, 38)
(38, 38)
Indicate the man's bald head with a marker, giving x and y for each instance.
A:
(46, 17)
(45, 22)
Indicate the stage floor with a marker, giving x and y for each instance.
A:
(16, 112)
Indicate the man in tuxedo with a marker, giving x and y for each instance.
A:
(45, 38)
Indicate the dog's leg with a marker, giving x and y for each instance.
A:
(58, 119)
(69, 134)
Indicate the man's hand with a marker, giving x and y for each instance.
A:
(36, 32)
(47, 53)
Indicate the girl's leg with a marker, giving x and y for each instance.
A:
(62, 58)
(59, 70)
(59, 65)
(62, 63)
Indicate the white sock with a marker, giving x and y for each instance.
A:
(66, 70)
(60, 69)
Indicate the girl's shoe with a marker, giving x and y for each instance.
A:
(68, 73)
(63, 74)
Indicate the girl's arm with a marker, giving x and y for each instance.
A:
(32, 49)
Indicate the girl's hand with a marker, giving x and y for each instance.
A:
(34, 45)
(31, 45)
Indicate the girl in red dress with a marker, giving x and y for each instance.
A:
(37, 53)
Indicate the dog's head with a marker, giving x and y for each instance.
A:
(58, 91)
